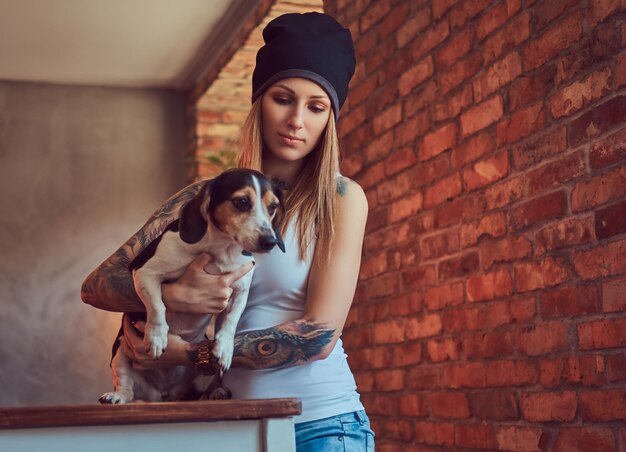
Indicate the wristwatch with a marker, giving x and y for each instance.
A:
(205, 362)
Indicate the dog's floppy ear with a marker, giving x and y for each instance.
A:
(279, 217)
(193, 225)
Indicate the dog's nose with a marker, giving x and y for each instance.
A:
(267, 242)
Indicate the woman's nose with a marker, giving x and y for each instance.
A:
(295, 119)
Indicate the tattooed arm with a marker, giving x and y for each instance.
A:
(110, 286)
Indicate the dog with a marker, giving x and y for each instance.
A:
(233, 215)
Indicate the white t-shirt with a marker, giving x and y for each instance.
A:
(278, 294)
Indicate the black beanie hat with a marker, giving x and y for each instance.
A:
(310, 45)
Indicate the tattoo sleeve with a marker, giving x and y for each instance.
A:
(110, 286)
(281, 346)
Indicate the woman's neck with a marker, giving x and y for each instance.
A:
(281, 171)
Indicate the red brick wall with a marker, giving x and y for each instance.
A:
(490, 137)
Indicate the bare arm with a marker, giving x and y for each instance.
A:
(110, 285)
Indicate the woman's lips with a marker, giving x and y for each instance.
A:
(289, 140)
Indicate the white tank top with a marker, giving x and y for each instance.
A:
(278, 294)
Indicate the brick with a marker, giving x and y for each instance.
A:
(460, 71)
(387, 119)
(486, 171)
(352, 165)
(614, 295)
(389, 380)
(489, 345)
(412, 27)
(408, 131)
(418, 276)
(587, 370)
(443, 350)
(555, 173)
(424, 378)
(399, 160)
(472, 149)
(506, 38)
(608, 151)
(413, 405)
(379, 147)
(383, 285)
(397, 430)
(504, 193)
(603, 405)
(521, 124)
(459, 266)
(438, 141)
(405, 207)
(448, 405)
(512, 373)
(602, 261)
(620, 71)
(465, 375)
(407, 355)
(394, 19)
(431, 170)
(492, 225)
(544, 338)
(571, 231)
(430, 39)
(435, 433)
(558, 37)
(500, 74)
(374, 14)
(453, 104)
(580, 94)
(443, 190)
(616, 367)
(599, 334)
(545, 207)
(519, 310)
(601, 9)
(530, 87)
(428, 325)
(403, 305)
(415, 75)
(597, 121)
(442, 296)
(570, 301)
(356, 117)
(373, 265)
(599, 190)
(481, 116)
(496, 16)
(585, 438)
(548, 272)
(493, 405)
(476, 436)
(456, 47)
(549, 406)
(489, 286)
(611, 220)
(504, 250)
(441, 7)
(519, 438)
(365, 382)
(440, 243)
(538, 148)
(458, 210)
(546, 12)
(466, 10)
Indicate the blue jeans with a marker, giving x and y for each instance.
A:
(348, 432)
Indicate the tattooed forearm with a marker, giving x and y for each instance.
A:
(282, 346)
(110, 286)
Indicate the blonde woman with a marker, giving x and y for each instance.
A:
(288, 340)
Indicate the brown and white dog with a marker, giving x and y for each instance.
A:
(236, 214)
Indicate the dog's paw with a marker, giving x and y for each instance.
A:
(155, 340)
(112, 398)
(223, 351)
(221, 393)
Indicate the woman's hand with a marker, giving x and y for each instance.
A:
(199, 292)
(132, 343)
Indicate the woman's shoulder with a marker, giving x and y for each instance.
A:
(350, 193)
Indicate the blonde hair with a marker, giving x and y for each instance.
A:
(312, 200)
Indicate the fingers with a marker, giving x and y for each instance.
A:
(201, 261)
(239, 273)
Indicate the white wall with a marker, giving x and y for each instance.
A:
(81, 169)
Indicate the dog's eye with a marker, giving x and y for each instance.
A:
(272, 208)
(242, 204)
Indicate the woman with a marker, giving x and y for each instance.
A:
(288, 339)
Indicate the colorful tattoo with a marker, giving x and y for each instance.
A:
(281, 346)
(342, 186)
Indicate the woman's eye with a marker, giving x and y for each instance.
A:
(317, 109)
(282, 100)
(241, 204)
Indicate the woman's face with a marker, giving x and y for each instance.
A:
(295, 112)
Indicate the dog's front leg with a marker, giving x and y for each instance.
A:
(123, 380)
(148, 288)
(225, 336)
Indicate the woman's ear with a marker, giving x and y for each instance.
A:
(193, 223)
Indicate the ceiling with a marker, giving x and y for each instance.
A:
(123, 43)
